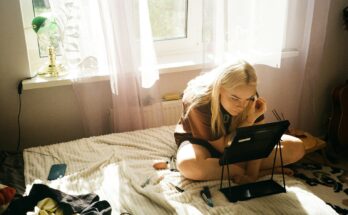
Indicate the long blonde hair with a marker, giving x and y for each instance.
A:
(206, 88)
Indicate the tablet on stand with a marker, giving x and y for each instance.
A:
(250, 143)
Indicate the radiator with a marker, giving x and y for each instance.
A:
(160, 114)
(171, 112)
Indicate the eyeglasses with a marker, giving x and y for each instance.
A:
(239, 101)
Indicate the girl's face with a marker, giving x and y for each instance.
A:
(237, 100)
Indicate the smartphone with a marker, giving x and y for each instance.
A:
(257, 106)
(56, 171)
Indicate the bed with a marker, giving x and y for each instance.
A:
(117, 167)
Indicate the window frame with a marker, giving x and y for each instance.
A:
(33, 50)
(192, 43)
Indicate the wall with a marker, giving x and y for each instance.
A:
(52, 115)
(334, 65)
(13, 66)
(332, 70)
(48, 115)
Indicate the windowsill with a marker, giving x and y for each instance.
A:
(169, 64)
(43, 82)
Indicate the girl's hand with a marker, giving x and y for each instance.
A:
(255, 109)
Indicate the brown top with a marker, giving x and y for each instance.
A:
(197, 124)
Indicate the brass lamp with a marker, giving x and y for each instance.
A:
(48, 34)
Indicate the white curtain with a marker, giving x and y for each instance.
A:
(114, 38)
(257, 31)
(106, 36)
(313, 113)
(243, 29)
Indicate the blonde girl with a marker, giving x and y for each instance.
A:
(214, 105)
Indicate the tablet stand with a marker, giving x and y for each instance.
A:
(251, 143)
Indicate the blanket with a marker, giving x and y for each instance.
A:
(118, 168)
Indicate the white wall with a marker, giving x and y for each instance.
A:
(52, 115)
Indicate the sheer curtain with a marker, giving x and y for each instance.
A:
(132, 63)
(247, 29)
(111, 37)
(114, 37)
(257, 31)
(311, 112)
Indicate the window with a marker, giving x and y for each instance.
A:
(168, 19)
(178, 30)
(35, 61)
(41, 8)
(175, 25)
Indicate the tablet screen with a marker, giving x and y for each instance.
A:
(254, 142)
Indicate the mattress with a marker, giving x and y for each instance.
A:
(119, 168)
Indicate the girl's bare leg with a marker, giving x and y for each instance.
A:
(195, 162)
(292, 151)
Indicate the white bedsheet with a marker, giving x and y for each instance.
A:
(115, 166)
